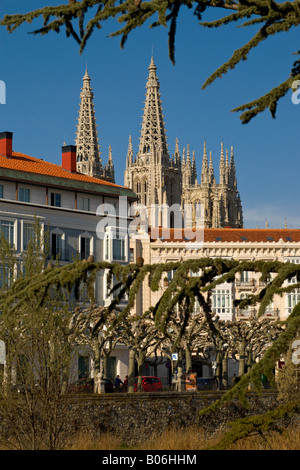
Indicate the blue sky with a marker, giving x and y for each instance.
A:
(43, 77)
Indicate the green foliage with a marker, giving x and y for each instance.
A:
(271, 17)
(260, 424)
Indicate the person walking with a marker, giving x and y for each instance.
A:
(118, 383)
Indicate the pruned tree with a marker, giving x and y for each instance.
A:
(252, 338)
(142, 338)
(81, 19)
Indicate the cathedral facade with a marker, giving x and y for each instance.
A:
(159, 178)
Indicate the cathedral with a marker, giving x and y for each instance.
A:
(158, 178)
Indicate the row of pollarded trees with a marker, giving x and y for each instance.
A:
(192, 337)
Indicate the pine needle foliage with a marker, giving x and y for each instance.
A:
(81, 19)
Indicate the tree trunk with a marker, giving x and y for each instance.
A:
(225, 371)
(188, 360)
(242, 352)
(141, 359)
(131, 365)
(219, 369)
(179, 372)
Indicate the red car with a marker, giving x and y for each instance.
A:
(149, 384)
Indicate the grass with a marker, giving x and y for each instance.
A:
(191, 439)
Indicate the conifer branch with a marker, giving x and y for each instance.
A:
(274, 17)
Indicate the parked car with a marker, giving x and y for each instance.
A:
(86, 385)
(206, 383)
(149, 384)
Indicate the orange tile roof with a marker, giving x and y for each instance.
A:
(230, 235)
(22, 162)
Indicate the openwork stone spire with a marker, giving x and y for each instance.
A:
(153, 134)
(88, 154)
(87, 143)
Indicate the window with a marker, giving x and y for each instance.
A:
(58, 250)
(131, 255)
(56, 199)
(1, 191)
(28, 234)
(293, 297)
(56, 244)
(222, 301)
(115, 245)
(85, 247)
(24, 194)
(244, 277)
(6, 276)
(119, 249)
(7, 229)
(83, 204)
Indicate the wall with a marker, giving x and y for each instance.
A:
(137, 417)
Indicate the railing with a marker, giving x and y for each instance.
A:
(248, 283)
(245, 313)
(272, 312)
(252, 313)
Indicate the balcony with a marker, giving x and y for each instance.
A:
(248, 284)
(272, 313)
(245, 313)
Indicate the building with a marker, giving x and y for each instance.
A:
(69, 206)
(234, 244)
(161, 179)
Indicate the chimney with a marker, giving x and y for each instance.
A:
(69, 158)
(6, 144)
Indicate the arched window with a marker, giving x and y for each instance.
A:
(144, 192)
(137, 189)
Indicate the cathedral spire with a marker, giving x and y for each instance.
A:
(110, 168)
(88, 154)
(227, 168)
(177, 154)
(232, 180)
(211, 169)
(87, 143)
(129, 158)
(194, 169)
(222, 165)
(204, 173)
(153, 135)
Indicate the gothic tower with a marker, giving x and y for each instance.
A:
(87, 144)
(152, 173)
(160, 179)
